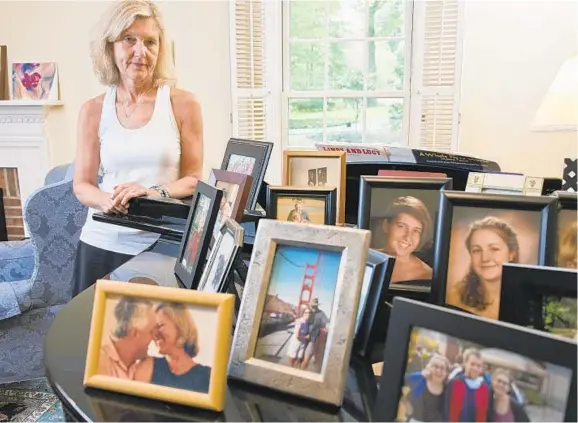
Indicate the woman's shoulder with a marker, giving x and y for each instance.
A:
(181, 97)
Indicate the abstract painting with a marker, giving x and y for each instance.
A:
(34, 81)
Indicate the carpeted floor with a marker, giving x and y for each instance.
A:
(30, 401)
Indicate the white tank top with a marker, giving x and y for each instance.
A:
(149, 155)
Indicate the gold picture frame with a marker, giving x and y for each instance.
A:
(192, 303)
(330, 177)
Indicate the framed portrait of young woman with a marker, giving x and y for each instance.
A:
(400, 213)
(566, 231)
(476, 234)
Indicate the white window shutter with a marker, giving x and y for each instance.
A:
(256, 75)
(436, 74)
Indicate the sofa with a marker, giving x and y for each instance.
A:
(36, 274)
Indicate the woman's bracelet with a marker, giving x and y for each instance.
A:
(161, 190)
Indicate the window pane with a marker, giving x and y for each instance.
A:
(389, 17)
(384, 118)
(347, 19)
(306, 19)
(307, 66)
(346, 65)
(305, 121)
(344, 120)
(386, 61)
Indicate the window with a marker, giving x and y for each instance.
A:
(354, 71)
(346, 73)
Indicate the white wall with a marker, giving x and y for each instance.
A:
(512, 51)
(59, 31)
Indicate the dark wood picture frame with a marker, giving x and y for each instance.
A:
(367, 183)
(524, 288)
(371, 309)
(236, 231)
(546, 206)
(191, 279)
(328, 195)
(261, 152)
(409, 314)
(567, 201)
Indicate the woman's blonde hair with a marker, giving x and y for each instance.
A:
(121, 15)
(186, 327)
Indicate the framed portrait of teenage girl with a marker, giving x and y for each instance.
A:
(566, 231)
(400, 213)
(476, 234)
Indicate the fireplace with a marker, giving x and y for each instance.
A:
(24, 157)
(13, 221)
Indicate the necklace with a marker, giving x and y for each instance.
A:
(134, 106)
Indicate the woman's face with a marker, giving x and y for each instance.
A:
(137, 50)
(403, 234)
(489, 251)
(167, 334)
(501, 384)
(438, 369)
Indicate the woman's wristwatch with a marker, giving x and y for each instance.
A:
(161, 190)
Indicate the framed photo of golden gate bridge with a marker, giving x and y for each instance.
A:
(296, 323)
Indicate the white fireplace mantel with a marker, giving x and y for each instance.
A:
(23, 141)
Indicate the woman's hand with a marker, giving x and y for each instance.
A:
(107, 206)
(123, 193)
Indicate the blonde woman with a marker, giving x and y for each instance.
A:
(143, 135)
(491, 242)
(504, 407)
(177, 340)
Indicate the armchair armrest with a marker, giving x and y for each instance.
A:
(16, 260)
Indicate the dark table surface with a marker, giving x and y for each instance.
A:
(65, 355)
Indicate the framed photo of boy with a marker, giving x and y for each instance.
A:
(249, 158)
(476, 234)
(317, 169)
(567, 229)
(400, 213)
(444, 365)
(236, 188)
(302, 205)
(296, 322)
(137, 331)
(222, 258)
(198, 234)
(540, 297)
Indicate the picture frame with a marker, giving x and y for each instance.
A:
(540, 297)
(504, 183)
(219, 178)
(222, 258)
(461, 336)
(400, 213)
(329, 167)
(330, 297)
(198, 234)
(566, 228)
(303, 205)
(378, 269)
(519, 229)
(250, 158)
(117, 303)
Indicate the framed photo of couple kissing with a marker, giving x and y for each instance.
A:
(317, 169)
(154, 326)
(476, 234)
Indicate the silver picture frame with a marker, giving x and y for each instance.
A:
(327, 384)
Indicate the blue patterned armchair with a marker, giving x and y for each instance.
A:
(36, 275)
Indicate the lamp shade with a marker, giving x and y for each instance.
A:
(559, 108)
